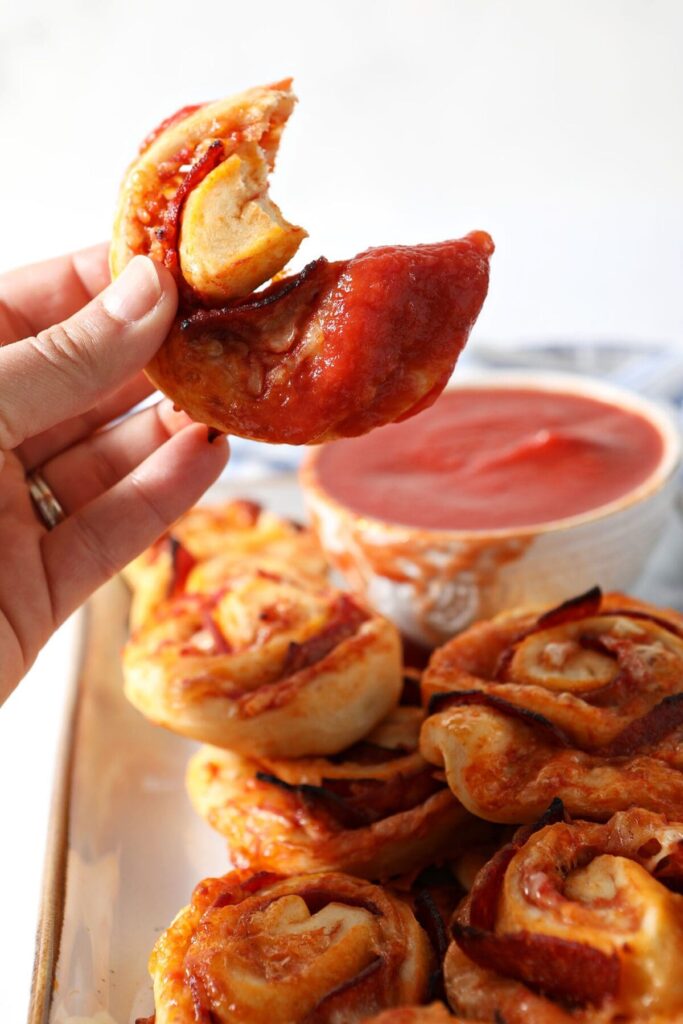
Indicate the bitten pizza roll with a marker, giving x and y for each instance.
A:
(212, 543)
(330, 352)
(584, 702)
(320, 947)
(575, 922)
(265, 666)
(377, 809)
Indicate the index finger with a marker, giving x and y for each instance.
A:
(41, 294)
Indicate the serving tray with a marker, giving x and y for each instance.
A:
(125, 848)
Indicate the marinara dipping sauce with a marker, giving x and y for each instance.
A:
(487, 458)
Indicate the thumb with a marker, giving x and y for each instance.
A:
(68, 368)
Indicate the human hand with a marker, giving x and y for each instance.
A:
(60, 387)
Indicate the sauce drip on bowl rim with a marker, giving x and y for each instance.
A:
(487, 458)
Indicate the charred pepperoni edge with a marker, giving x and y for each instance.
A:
(553, 814)
(570, 971)
(362, 976)
(316, 798)
(648, 730)
(415, 656)
(206, 319)
(361, 753)
(583, 606)
(643, 732)
(176, 118)
(384, 799)
(346, 618)
(443, 701)
(489, 881)
(428, 916)
(669, 870)
(411, 694)
(360, 803)
(146, 1020)
(367, 754)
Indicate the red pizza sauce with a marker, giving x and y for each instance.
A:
(484, 458)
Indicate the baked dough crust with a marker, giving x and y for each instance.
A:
(584, 702)
(265, 666)
(575, 923)
(375, 810)
(263, 950)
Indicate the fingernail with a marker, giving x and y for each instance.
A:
(134, 293)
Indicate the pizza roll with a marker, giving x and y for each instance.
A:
(330, 352)
(320, 947)
(574, 922)
(265, 666)
(212, 543)
(377, 809)
(584, 702)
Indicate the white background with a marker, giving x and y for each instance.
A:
(554, 125)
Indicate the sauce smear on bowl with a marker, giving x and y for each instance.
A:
(486, 458)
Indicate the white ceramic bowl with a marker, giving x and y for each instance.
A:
(433, 583)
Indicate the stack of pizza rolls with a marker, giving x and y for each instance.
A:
(570, 721)
(312, 721)
(376, 809)
(503, 834)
